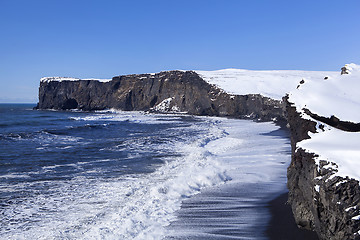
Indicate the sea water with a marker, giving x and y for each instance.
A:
(135, 175)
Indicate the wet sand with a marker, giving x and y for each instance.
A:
(282, 225)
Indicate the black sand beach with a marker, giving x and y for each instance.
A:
(282, 225)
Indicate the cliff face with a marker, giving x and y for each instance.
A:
(321, 202)
(323, 177)
(175, 91)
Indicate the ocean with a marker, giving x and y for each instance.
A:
(135, 175)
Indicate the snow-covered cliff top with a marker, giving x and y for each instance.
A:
(336, 146)
(274, 84)
(324, 93)
(60, 79)
(337, 95)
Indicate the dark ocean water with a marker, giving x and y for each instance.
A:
(131, 175)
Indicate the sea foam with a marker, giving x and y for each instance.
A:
(142, 206)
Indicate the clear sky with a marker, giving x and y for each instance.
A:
(105, 38)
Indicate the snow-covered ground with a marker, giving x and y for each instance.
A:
(336, 146)
(60, 79)
(336, 96)
(323, 93)
(274, 84)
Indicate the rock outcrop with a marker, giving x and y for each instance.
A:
(320, 202)
(174, 91)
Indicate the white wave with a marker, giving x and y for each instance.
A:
(132, 116)
(256, 164)
(51, 167)
(142, 206)
(133, 207)
(48, 141)
(12, 175)
(97, 161)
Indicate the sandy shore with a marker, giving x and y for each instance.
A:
(282, 225)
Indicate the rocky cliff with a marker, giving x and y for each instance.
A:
(321, 202)
(321, 198)
(174, 91)
(324, 190)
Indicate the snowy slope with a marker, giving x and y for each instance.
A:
(338, 95)
(323, 93)
(274, 84)
(336, 146)
(333, 96)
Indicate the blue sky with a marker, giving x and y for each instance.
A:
(105, 38)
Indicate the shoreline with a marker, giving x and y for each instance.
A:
(282, 224)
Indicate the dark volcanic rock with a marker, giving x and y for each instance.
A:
(320, 201)
(335, 122)
(187, 92)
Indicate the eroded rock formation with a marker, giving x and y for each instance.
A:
(176, 91)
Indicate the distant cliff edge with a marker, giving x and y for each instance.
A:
(171, 91)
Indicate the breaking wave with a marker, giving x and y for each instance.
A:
(116, 175)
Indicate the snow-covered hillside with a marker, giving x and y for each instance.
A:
(324, 93)
(338, 96)
(274, 84)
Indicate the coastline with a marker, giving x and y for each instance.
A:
(282, 225)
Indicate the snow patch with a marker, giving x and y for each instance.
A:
(332, 95)
(341, 149)
(339, 183)
(350, 208)
(164, 105)
(337, 95)
(61, 79)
